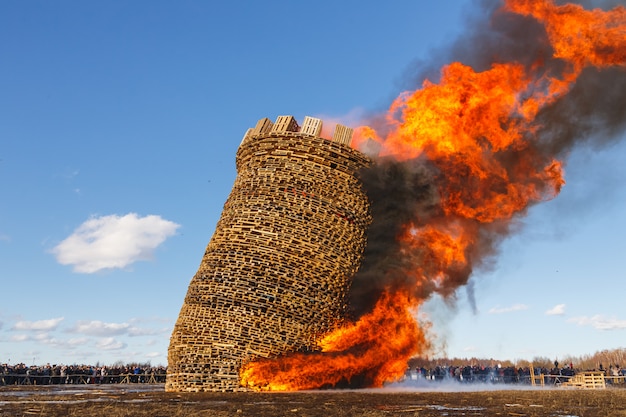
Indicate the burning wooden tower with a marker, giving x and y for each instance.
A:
(276, 273)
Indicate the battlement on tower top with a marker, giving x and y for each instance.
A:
(311, 126)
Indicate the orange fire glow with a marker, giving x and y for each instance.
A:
(443, 249)
(369, 352)
(476, 129)
(580, 37)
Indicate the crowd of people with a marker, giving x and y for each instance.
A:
(509, 375)
(22, 374)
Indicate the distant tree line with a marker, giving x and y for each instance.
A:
(601, 360)
(610, 362)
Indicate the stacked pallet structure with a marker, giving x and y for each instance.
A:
(276, 273)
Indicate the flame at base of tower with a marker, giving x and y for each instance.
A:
(482, 135)
(368, 353)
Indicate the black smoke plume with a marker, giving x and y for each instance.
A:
(592, 113)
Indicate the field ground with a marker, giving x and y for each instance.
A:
(151, 400)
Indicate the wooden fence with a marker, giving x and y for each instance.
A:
(80, 379)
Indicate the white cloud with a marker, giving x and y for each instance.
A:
(113, 241)
(4, 238)
(153, 355)
(167, 320)
(39, 325)
(109, 343)
(41, 337)
(599, 322)
(77, 341)
(99, 328)
(501, 310)
(557, 310)
(19, 337)
(44, 338)
(138, 331)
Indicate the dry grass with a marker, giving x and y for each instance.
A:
(126, 401)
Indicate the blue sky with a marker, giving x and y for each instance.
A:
(119, 123)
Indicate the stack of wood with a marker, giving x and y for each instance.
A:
(276, 273)
(587, 380)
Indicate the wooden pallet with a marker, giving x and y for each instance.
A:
(536, 379)
(587, 380)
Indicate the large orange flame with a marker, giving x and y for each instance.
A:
(373, 350)
(580, 37)
(477, 130)
(463, 124)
